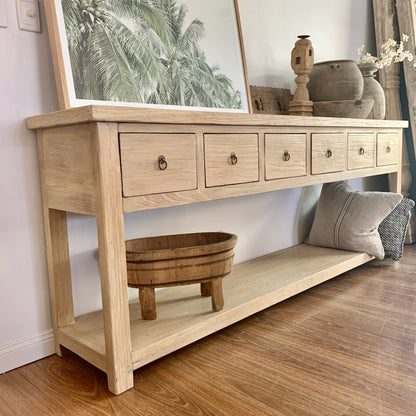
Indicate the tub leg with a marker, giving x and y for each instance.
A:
(147, 302)
(217, 297)
(206, 289)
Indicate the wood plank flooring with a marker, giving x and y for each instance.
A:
(344, 348)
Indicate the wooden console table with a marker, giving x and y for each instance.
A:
(107, 161)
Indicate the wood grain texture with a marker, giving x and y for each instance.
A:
(141, 203)
(343, 348)
(328, 152)
(93, 113)
(147, 303)
(217, 296)
(57, 248)
(184, 316)
(243, 56)
(285, 155)
(221, 168)
(69, 177)
(387, 148)
(61, 76)
(361, 150)
(229, 159)
(141, 172)
(179, 259)
(112, 261)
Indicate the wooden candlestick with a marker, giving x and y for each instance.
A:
(302, 64)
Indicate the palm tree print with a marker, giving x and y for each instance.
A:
(142, 51)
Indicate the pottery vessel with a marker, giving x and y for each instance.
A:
(373, 89)
(344, 108)
(335, 81)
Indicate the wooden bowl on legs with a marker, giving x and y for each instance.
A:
(181, 259)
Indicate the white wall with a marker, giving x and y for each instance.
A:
(264, 223)
(270, 29)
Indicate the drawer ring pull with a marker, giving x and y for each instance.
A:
(286, 156)
(329, 153)
(233, 158)
(362, 151)
(161, 161)
(388, 149)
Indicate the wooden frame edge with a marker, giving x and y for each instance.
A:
(243, 57)
(57, 55)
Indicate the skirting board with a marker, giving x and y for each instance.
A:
(26, 350)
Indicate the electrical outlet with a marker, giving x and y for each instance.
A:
(3, 13)
(28, 15)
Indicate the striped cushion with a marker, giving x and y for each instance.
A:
(349, 220)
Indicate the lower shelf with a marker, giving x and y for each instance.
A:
(184, 316)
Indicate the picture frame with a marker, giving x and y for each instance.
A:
(153, 54)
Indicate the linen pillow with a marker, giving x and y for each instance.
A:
(393, 229)
(349, 220)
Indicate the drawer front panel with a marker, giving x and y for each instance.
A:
(387, 148)
(143, 173)
(361, 150)
(285, 155)
(231, 158)
(328, 152)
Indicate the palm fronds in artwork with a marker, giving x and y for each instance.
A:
(142, 51)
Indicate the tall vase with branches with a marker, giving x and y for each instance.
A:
(391, 52)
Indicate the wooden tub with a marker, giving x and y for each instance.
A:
(180, 259)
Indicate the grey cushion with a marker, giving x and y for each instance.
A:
(393, 228)
(349, 220)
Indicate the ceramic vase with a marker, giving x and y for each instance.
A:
(335, 81)
(373, 89)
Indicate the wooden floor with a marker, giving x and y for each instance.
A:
(344, 348)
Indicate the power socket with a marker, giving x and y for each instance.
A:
(28, 15)
(3, 13)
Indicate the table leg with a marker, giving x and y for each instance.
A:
(113, 267)
(57, 249)
(395, 179)
(59, 269)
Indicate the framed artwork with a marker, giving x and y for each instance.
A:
(177, 54)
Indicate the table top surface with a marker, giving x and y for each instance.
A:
(120, 114)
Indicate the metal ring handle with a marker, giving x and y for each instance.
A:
(233, 159)
(362, 151)
(161, 162)
(286, 156)
(329, 153)
(388, 149)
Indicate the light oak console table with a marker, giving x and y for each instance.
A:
(107, 161)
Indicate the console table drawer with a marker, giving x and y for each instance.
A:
(328, 152)
(157, 163)
(231, 158)
(285, 155)
(387, 149)
(361, 148)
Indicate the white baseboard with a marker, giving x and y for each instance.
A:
(26, 350)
